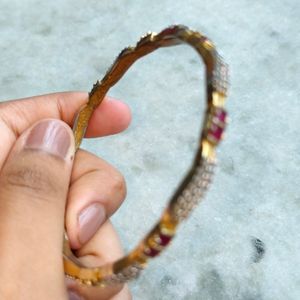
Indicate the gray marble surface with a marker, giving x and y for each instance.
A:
(49, 46)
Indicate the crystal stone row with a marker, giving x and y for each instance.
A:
(195, 190)
(220, 80)
(127, 274)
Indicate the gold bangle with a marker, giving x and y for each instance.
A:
(193, 187)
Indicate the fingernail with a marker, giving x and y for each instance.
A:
(74, 296)
(90, 219)
(50, 136)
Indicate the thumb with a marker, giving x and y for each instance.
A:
(34, 183)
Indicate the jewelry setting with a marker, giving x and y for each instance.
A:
(195, 184)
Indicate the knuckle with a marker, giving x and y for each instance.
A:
(33, 180)
(16, 109)
(119, 183)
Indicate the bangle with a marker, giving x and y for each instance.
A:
(193, 187)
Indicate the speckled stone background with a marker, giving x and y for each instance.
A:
(49, 46)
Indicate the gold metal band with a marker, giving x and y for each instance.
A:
(193, 187)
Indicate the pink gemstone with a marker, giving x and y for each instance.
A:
(151, 252)
(221, 115)
(164, 239)
(215, 132)
(169, 30)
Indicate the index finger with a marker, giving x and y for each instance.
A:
(111, 117)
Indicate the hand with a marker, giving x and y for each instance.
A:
(42, 184)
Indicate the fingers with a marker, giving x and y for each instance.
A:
(111, 117)
(123, 295)
(33, 190)
(97, 190)
(103, 248)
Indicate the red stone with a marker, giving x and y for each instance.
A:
(164, 239)
(220, 114)
(215, 132)
(169, 30)
(151, 252)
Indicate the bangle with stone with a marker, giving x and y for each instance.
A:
(195, 184)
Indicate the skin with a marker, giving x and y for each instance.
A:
(35, 209)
